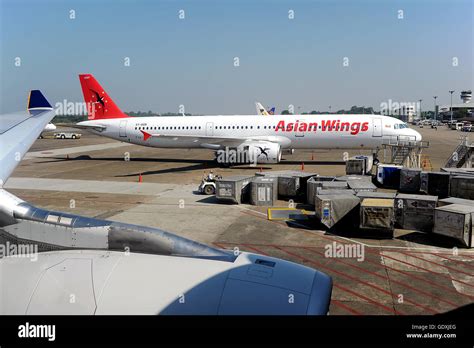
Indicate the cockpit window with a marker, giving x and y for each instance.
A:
(400, 126)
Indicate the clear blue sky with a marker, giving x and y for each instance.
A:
(282, 61)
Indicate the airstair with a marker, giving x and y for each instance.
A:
(461, 156)
(403, 150)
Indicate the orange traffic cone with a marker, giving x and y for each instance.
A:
(302, 165)
(140, 179)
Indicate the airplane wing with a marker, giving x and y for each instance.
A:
(216, 142)
(18, 131)
(97, 127)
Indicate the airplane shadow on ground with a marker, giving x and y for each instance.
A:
(430, 239)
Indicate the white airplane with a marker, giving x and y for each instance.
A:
(266, 137)
(262, 111)
(50, 127)
(60, 263)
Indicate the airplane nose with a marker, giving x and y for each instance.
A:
(418, 136)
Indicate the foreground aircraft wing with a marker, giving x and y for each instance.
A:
(18, 131)
(210, 141)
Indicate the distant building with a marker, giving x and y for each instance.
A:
(406, 112)
(465, 105)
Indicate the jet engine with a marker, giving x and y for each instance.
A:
(264, 152)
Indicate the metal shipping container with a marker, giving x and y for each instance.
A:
(410, 180)
(424, 182)
(323, 191)
(453, 200)
(361, 185)
(369, 162)
(289, 186)
(312, 184)
(291, 183)
(377, 214)
(334, 185)
(415, 212)
(264, 191)
(388, 175)
(234, 189)
(355, 166)
(354, 177)
(333, 208)
(455, 221)
(462, 187)
(367, 194)
(438, 184)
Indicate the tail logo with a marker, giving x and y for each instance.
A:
(98, 100)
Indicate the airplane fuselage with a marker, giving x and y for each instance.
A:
(289, 131)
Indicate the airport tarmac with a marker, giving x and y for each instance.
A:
(98, 177)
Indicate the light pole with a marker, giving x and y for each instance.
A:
(451, 107)
(329, 108)
(421, 117)
(435, 106)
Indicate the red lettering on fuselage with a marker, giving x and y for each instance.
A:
(326, 126)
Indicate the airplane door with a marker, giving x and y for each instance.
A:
(377, 131)
(209, 128)
(298, 133)
(123, 128)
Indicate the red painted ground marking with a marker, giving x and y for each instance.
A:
(439, 274)
(337, 303)
(453, 260)
(375, 263)
(347, 308)
(347, 276)
(393, 281)
(439, 264)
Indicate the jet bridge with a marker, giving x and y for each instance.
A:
(403, 150)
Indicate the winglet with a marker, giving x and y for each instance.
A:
(36, 100)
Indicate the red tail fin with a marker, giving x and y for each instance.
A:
(99, 104)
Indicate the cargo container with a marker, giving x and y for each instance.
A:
(367, 194)
(334, 185)
(354, 177)
(459, 171)
(361, 185)
(388, 175)
(355, 166)
(415, 212)
(377, 214)
(462, 187)
(438, 184)
(332, 209)
(264, 191)
(323, 191)
(313, 183)
(410, 180)
(424, 182)
(455, 221)
(234, 189)
(454, 200)
(291, 183)
(369, 162)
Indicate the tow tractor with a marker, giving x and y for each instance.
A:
(208, 184)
